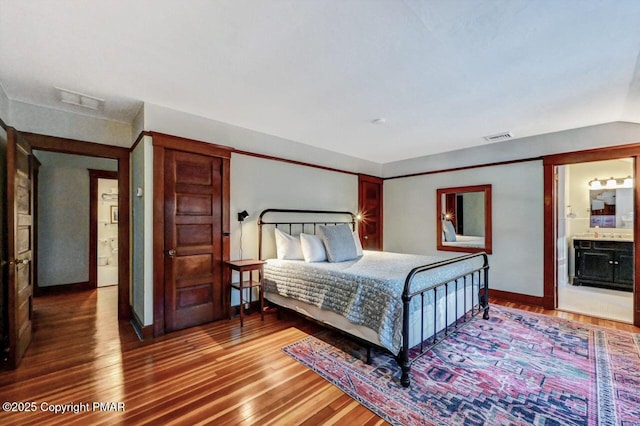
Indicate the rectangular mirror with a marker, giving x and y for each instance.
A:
(611, 208)
(463, 219)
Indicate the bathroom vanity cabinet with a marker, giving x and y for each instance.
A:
(604, 263)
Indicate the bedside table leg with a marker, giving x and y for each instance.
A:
(261, 303)
(241, 303)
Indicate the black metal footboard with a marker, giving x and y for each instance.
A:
(479, 280)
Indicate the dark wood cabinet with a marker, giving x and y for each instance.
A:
(607, 264)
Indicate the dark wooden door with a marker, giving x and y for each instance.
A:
(370, 209)
(193, 249)
(20, 245)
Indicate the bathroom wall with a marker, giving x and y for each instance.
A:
(576, 206)
(577, 191)
(107, 249)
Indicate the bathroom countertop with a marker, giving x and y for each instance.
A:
(604, 237)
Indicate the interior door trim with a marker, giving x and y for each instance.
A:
(550, 163)
(161, 142)
(72, 146)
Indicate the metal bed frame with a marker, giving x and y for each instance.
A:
(479, 279)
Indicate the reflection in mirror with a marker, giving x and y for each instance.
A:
(464, 219)
(611, 208)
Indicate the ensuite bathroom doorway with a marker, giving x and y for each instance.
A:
(595, 238)
(107, 232)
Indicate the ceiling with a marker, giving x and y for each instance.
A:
(442, 74)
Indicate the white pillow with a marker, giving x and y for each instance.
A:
(449, 231)
(288, 247)
(356, 239)
(312, 248)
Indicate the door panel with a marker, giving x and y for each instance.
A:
(20, 245)
(193, 240)
(370, 208)
(596, 266)
(624, 269)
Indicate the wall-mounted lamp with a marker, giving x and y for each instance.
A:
(242, 216)
(611, 183)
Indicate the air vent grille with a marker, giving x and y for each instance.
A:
(499, 137)
(80, 99)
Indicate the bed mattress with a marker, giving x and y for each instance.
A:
(367, 292)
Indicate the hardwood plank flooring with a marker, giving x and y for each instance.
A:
(214, 374)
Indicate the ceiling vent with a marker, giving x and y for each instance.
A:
(499, 137)
(80, 99)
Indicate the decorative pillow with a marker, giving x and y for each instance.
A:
(287, 246)
(356, 239)
(449, 231)
(338, 242)
(312, 248)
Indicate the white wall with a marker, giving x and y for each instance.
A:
(258, 184)
(142, 231)
(137, 126)
(4, 106)
(517, 203)
(63, 216)
(165, 120)
(602, 135)
(36, 119)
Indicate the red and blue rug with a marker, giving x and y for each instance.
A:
(515, 368)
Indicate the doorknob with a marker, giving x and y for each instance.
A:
(366, 237)
(171, 252)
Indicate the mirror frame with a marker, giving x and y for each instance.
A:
(487, 218)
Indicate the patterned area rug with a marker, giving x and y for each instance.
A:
(515, 368)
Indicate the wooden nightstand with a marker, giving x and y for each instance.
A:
(242, 266)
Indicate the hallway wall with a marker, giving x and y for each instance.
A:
(63, 216)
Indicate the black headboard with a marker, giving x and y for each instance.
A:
(297, 222)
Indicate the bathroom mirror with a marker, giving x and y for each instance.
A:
(463, 219)
(611, 208)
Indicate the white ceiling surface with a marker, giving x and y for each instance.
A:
(442, 73)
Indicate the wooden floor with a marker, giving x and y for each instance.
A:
(219, 374)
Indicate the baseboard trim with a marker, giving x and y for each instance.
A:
(517, 297)
(143, 332)
(64, 288)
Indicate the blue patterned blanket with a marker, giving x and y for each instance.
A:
(366, 291)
